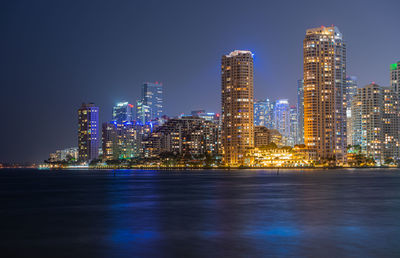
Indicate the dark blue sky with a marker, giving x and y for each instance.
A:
(57, 54)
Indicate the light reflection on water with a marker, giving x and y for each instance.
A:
(247, 213)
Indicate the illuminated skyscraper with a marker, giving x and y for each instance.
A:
(88, 135)
(368, 121)
(349, 92)
(375, 122)
(300, 112)
(122, 112)
(237, 106)
(324, 81)
(263, 113)
(395, 77)
(150, 106)
(391, 119)
(294, 126)
(120, 140)
(282, 119)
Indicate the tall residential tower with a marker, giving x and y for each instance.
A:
(324, 80)
(88, 132)
(237, 106)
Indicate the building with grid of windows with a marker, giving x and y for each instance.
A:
(150, 106)
(324, 81)
(88, 134)
(237, 106)
(300, 112)
(395, 77)
(263, 113)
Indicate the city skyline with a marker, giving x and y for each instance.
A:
(56, 127)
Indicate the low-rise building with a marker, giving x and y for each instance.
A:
(186, 135)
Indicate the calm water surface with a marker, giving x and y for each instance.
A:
(246, 213)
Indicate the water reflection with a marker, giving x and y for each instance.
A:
(335, 213)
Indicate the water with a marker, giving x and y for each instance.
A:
(246, 213)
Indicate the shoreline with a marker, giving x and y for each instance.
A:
(195, 168)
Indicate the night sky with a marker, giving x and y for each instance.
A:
(57, 54)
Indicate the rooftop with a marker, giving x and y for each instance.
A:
(238, 52)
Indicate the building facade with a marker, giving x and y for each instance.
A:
(391, 128)
(395, 77)
(324, 80)
(190, 136)
(150, 106)
(70, 154)
(122, 112)
(88, 134)
(263, 113)
(294, 126)
(375, 123)
(120, 140)
(282, 120)
(368, 121)
(300, 112)
(237, 100)
(261, 136)
(349, 92)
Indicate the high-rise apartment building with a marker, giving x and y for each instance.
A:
(368, 121)
(263, 113)
(88, 134)
(375, 122)
(300, 112)
(237, 106)
(324, 80)
(150, 106)
(395, 77)
(349, 92)
(282, 119)
(120, 140)
(391, 119)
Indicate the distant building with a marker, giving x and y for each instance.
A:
(324, 76)
(395, 77)
(294, 126)
(209, 116)
(122, 112)
(187, 135)
(88, 135)
(367, 127)
(263, 113)
(282, 119)
(70, 154)
(275, 137)
(261, 136)
(237, 106)
(349, 92)
(391, 128)
(150, 106)
(375, 122)
(120, 141)
(264, 136)
(300, 112)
